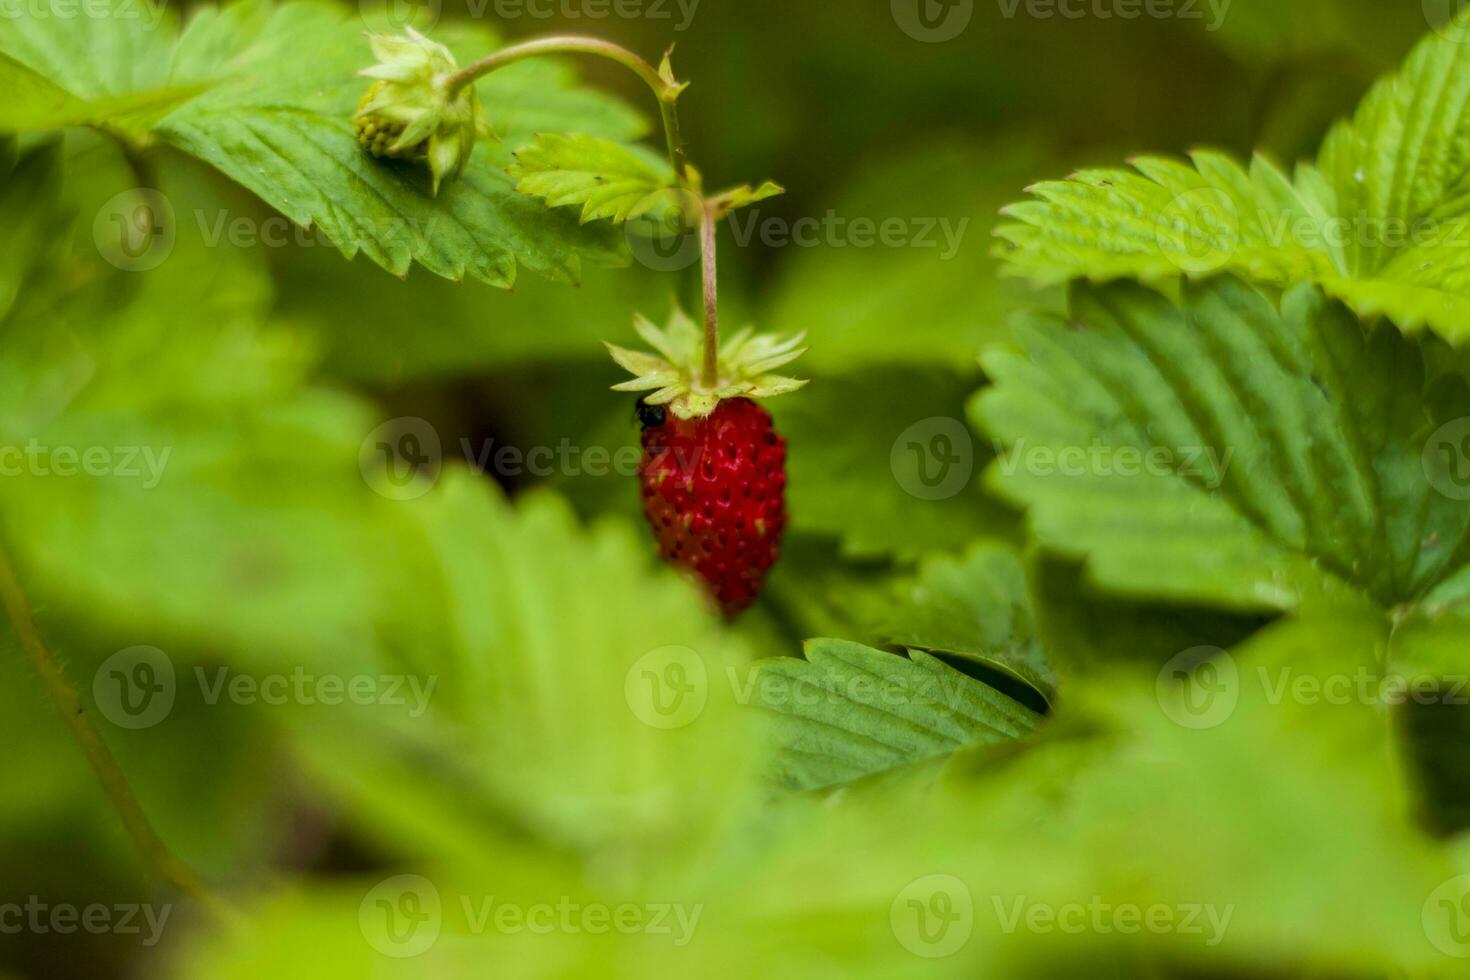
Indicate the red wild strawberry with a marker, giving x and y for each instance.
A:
(714, 491)
(714, 470)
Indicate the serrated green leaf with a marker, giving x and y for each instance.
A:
(172, 477)
(112, 48)
(290, 140)
(1169, 220)
(113, 67)
(606, 179)
(35, 104)
(976, 606)
(849, 711)
(1382, 221)
(1278, 835)
(547, 620)
(287, 135)
(1226, 453)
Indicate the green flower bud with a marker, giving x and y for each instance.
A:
(410, 113)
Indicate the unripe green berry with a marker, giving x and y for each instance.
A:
(377, 134)
(414, 109)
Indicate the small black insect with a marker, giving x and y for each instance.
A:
(651, 416)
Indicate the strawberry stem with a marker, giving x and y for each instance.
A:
(708, 225)
(666, 90)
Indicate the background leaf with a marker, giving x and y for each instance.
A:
(1380, 222)
(1226, 453)
(976, 606)
(287, 136)
(850, 711)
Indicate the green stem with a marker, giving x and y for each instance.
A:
(665, 91)
(69, 703)
(708, 225)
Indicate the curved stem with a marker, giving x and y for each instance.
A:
(69, 703)
(665, 91)
(708, 225)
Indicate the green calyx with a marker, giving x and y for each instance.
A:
(674, 374)
(413, 111)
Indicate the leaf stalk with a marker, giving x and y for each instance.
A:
(69, 703)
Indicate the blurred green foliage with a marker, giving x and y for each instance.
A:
(569, 725)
